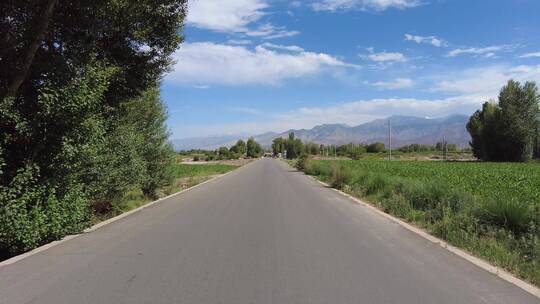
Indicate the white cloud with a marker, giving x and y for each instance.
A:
(227, 16)
(378, 5)
(357, 112)
(429, 40)
(268, 31)
(292, 48)
(234, 16)
(398, 83)
(210, 63)
(486, 81)
(384, 56)
(530, 55)
(239, 41)
(486, 51)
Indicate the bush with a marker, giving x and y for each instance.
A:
(396, 204)
(505, 213)
(303, 162)
(341, 176)
(32, 214)
(377, 184)
(424, 196)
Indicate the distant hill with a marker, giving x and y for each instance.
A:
(405, 130)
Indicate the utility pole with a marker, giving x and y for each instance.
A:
(389, 139)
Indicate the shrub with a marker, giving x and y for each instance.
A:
(32, 214)
(316, 169)
(303, 162)
(424, 196)
(378, 184)
(340, 176)
(396, 204)
(505, 213)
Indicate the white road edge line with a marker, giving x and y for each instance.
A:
(104, 223)
(501, 273)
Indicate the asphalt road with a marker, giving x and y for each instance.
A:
(262, 234)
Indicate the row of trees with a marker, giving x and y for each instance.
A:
(292, 148)
(81, 118)
(250, 149)
(508, 129)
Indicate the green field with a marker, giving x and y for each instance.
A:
(489, 209)
(513, 181)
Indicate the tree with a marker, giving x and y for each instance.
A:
(253, 148)
(147, 114)
(224, 153)
(239, 148)
(421, 148)
(278, 146)
(505, 131)
(293, 146)
(519, 107)
(484, 126)
(81, 121)
(375, 147)
(351, 150)
(41, 23)
(131, 40)
(537, 138)
(51, 40)
(311, 149)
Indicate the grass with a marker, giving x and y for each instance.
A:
(185, 176)
(489, 209)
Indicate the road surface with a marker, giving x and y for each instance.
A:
(262, 234)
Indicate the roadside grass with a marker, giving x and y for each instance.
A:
(184, 176)
(489, 209)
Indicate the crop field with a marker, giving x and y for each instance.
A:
(489, 209)
(513, 181)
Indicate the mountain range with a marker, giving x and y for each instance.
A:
(405, 130)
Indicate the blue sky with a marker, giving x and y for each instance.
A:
(251, 66)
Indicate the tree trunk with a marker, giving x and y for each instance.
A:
(40, 30)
